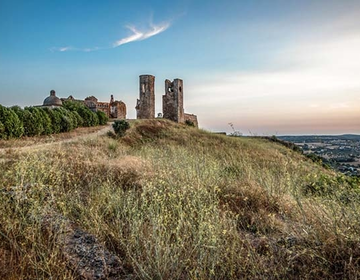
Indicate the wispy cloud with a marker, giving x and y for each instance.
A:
(137, 35)
(61, 49)
(142, 35)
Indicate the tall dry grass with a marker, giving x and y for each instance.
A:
(175, 203)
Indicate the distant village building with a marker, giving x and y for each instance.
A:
(52, 101)
(114, 109)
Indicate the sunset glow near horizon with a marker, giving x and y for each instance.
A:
(268, 67)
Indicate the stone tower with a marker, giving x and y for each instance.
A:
(145, 106)
(173, 102)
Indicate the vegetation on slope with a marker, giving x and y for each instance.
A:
(177, 202)
(34, 121)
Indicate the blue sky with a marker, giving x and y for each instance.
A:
(268, 67)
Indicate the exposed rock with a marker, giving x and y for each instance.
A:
(88, 258)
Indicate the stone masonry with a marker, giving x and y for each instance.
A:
(114, 109)
(191, 118)
(173, 101)
(145, 106)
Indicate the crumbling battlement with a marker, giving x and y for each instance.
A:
(114, 109)
(145, 105)
(191, 119)
(173, 101)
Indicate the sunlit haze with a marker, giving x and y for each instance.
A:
(268, 67)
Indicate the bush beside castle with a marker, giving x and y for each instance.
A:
(33, 121)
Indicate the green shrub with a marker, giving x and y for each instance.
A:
(31, 128)
(37, 120)
(2, 129)
(67, 120)
(18, 111)
(55, 117)
(88, 117)
(72, 105)
(34, 121)
(94, 120)
(64, 120)
(74, 119)
(66, 125)
(120, 127)
(46, 122)
(103, 119)
(13, 127)
(79, 119)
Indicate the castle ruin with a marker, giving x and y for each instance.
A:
(173, 101)
(145, 106)
(114, 109)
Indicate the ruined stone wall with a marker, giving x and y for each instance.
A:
(91, 105)
(103, 107)
(192, 118)
(173, 101)
(118, 110)
(145, 105)
(114, 109)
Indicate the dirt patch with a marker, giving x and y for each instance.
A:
(39, 143)
(48, 139)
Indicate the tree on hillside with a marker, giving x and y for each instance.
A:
(103, 119)
(89, 117)
(55, 117)
(12, 126)
(2, 129)
(30, 126)
(46, 122)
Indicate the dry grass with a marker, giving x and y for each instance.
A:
(44, 139)
(177, 202)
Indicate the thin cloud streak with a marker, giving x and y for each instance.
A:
(61, 49)
(140, 36)
(136, 35)
(66, 49)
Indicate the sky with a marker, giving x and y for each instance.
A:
(280, 67)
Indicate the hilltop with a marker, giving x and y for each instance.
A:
(169, 201)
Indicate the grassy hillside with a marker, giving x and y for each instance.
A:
(177, 202)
